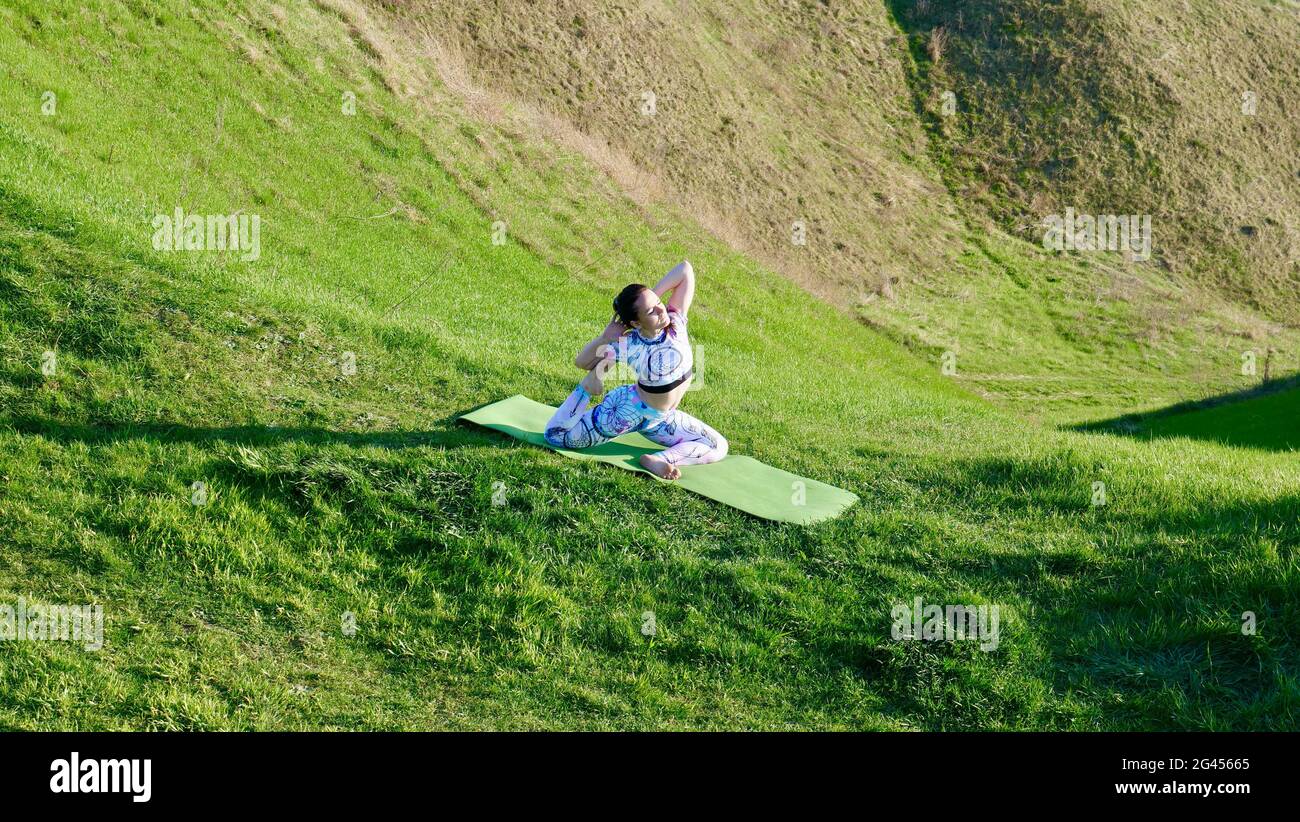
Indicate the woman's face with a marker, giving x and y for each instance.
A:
(651, 313)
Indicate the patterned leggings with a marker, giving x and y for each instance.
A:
(688, 441)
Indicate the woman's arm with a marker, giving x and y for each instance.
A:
(589, 357)
(680, 281)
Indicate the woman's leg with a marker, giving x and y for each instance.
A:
(570, 413)
(567, 418)
(689, 441)
(574, 425)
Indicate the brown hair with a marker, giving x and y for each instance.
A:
(625, 303)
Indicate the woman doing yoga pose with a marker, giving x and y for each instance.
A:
(651, 337)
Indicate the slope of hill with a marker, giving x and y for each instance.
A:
(925, 225)
(251, 461)
(1185, 111)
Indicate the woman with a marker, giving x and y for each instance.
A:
(652, 338)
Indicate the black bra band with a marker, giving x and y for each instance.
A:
(664, 389)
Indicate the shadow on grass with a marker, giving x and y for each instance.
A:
(448, 431)
(1266, 417)
(239, 434)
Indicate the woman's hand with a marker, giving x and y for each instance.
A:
(587, 358)
(614, 330)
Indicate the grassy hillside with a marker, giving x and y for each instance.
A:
(334, 491)
(1188, 112)
(925, 225)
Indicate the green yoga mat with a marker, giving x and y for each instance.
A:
(738, 481)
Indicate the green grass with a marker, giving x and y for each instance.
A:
(333, 493)
(1266, 422)
(1262, 418)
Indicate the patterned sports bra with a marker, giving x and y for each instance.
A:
(662, 363)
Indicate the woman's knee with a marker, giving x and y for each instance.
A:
(722, 446)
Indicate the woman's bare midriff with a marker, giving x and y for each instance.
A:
(663, 402)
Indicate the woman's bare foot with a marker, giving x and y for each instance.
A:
(660, 467)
